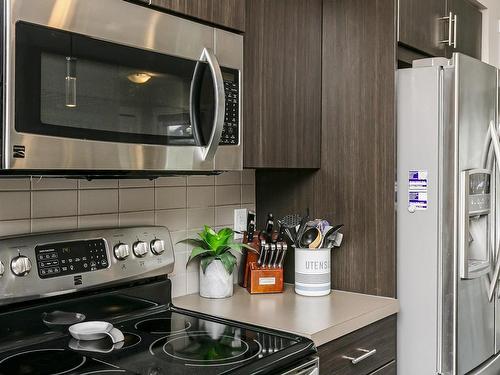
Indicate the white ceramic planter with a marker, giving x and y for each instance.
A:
(216, 282)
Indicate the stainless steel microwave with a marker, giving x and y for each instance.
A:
(107, 85)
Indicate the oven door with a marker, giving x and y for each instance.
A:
(108, 85)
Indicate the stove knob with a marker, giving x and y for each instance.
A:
(121, 251)
(2, 269)
(20, 265)
(157, 246)
(140, 249)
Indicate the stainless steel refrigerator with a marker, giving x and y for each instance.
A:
(447, 216)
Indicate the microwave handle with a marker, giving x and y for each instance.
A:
(208, 151)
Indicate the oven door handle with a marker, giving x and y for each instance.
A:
(208, 151)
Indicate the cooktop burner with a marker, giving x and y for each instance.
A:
(163, 325)
(43, 361)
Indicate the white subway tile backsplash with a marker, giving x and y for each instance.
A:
(98, 201)
(128, 219)
(228, 178)
(128, 183)
(136, 199)
(15, 184)
(183, 204)
(170, 197)
(11, 227)
(193, 282)
(247, 193)
(198, 217)
(248, 177)
(200, 180)
(225, 195)
(53, 203)
(171, 181)
(200, 196)
(54, 224)
(47, 183)
(224, 215)
(174, 220)
(14, 205)
(98, 184)
(98, 221)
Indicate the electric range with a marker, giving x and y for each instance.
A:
(107, 276)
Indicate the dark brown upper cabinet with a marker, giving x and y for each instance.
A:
(421, 25)
(227, 13)
(282, 84)
(441, 27)
(467, 20)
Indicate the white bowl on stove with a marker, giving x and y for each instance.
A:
(95, 330)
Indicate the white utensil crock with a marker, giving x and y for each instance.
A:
(216, 282)
(312, 272)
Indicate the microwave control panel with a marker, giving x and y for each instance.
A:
(231, 129)
(66, 258)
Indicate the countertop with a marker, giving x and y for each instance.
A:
(321, 319)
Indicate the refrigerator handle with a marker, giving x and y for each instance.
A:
(496, 149)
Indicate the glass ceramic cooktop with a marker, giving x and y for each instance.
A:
(166, 342)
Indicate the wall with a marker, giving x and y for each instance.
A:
(183, 204)
(491, 32)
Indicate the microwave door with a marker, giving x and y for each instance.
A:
(207, 136)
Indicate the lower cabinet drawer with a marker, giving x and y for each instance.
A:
(389, 369)
(362, 352)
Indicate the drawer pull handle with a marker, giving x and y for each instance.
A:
(362, 357)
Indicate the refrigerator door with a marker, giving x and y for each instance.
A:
(475, 107)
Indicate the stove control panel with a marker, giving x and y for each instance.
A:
(67, 258)
(45, 264)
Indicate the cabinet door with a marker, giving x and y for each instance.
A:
(376, 343)
(389, 369)
(282, 86)
(469, 28)
(420, 26)
(228, 13)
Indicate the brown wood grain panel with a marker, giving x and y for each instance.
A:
(469, 28)
(389, 369)
(380, 336)
(228, 13)
(357, 178)
(420, 27)
(282, 88)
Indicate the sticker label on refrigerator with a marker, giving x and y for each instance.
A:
(417, 189)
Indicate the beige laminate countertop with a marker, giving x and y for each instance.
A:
(321, 319)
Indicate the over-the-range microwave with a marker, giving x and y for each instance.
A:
(108, 85)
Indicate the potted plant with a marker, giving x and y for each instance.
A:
(217, 263)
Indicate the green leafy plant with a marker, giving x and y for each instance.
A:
(214, 245)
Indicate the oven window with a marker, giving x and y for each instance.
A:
(69, 85)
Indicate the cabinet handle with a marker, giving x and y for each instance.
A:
(449, 18)
(455, 22)
(362, 357)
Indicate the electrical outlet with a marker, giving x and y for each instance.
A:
(240, 222)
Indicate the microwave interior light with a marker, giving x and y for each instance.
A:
(139, 78)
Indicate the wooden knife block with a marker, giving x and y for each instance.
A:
(264, 280)
(260, 279)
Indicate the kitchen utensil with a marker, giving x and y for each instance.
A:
(329, 237)
(272, 252)
(302, 228)
(309, 236)
(279, 249)
(62, 318)
(269, 223)
(261, 254)
(291, 220)
(281, 232)
(317, 241)
(316, 280)
(96, 330)
(267, 247)
(283, 254)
